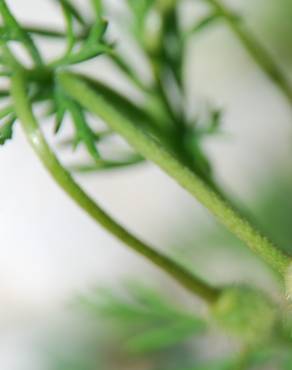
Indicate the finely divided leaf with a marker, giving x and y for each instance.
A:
(162, 337)
(6, 130)
(72, 9)
(84, 133)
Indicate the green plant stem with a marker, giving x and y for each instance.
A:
(64, 179)
(256, 50)
(152, 149)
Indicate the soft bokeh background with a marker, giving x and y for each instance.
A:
(51, 251)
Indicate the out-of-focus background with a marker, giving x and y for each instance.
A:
(51, 252)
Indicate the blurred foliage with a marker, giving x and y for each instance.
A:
(141, 327)
(144, 328)
(148, 326)
(272, 20)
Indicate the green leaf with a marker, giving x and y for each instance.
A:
(211, 125)
(84, 133)
(6, 111)
(152, 300)
(6, 130)
(99, 136)
(200, 162)
(202, 24)
(60, 104)
(119, 310)
(14, 30)
(102, 164)
(96, 33)
(140, 8)
(146, 320)
(164, 337)
(84, 54)
(71, 9)
(69, 20)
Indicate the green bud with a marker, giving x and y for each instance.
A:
(246, 313)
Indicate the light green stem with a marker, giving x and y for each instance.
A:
(152, 149)
(64, 179)
(256, 50)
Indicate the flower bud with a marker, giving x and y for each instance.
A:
(245, 312)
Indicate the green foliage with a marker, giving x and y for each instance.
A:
(71, 11)
(148, 321)
(140, 10)
(84, 133)
(13, 31)
(78, 50)
(149, 325)
(6, 131)
(91, 44)
(160, 129)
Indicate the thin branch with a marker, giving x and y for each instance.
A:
(256, 50)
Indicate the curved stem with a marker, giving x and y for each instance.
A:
(152, 149)
(256, 50)
(64, 179)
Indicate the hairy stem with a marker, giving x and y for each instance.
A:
(152, 149)
(64, 179)
(256, 50)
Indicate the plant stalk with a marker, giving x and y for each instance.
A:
(150, 148)
(65, 180)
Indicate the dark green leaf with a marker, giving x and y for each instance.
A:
(84, 133)
(60, 108)
(69, 20)
(84, 54)
(70, 8)
(6, 130)
(99, 136)
(14, 30)
(106, 165)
